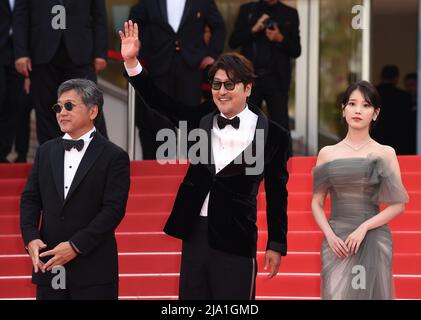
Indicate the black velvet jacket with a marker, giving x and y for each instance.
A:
(232, 209)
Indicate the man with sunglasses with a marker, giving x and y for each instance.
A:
(79, 187)
(215, 210)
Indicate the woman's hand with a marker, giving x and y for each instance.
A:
(354, 240)
(338, 247)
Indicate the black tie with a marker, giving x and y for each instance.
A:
(222, 122)
(69, 144)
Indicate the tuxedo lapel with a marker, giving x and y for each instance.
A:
(5, 6)
(207, 124)
(57, 165)
(89, 158)
(163, 6)
(187, 8)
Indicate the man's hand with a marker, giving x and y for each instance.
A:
(207, 61)
(100, 64)
(130, 44)
(272, 259)
(274, 35)
(260, 24)
(23, 65)
(62, 254)
(27, 85)
(33, 249)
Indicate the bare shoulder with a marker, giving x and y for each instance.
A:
(386, 152)
(326, 154)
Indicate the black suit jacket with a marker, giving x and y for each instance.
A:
(159, 41)
(92, 210)
(288, 22)
(85, 35)
(395, 126)
(6, 44)
(232, 210)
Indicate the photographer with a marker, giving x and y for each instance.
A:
(268, 34)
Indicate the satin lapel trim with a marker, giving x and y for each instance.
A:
(91, 154)
(207, 124)
(163, 6)
(57, 165)
(187, 8)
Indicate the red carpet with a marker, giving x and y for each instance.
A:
(149, 260)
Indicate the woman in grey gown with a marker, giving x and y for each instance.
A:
(358, 173)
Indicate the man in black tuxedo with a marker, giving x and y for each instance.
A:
(395, 125)
(173, 46)
(50, 55)
(80, 183)
(215, 210)
(175, 52)
(268, 33)
(11, 82)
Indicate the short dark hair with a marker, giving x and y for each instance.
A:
(390, 72)
(369, 92)
(237, 67)
(87, 90)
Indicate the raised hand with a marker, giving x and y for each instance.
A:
(130, 44)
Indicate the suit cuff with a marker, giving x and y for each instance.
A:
(75, 249)
(135, 70)
(29, 236)
(278, 247)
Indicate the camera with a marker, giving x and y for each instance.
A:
(269, 24)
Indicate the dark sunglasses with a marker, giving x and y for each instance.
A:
(229, 85)
(67, 105)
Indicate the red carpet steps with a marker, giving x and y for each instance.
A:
(149, 260)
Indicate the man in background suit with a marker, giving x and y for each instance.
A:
(11, 82)
(80, 183)
(174, 50)
(173, 47)
(395, 125)
(268, 33)
(215, 210)
(50, 56)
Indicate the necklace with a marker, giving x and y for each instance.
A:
(356, 148)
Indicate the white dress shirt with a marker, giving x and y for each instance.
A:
(135, 70)
(12, 6)
(175, 9)
(228, 143)
(72, 159)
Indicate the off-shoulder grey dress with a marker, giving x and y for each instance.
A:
(356, 187)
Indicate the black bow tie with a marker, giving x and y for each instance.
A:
(69, 144)
(222, 122)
